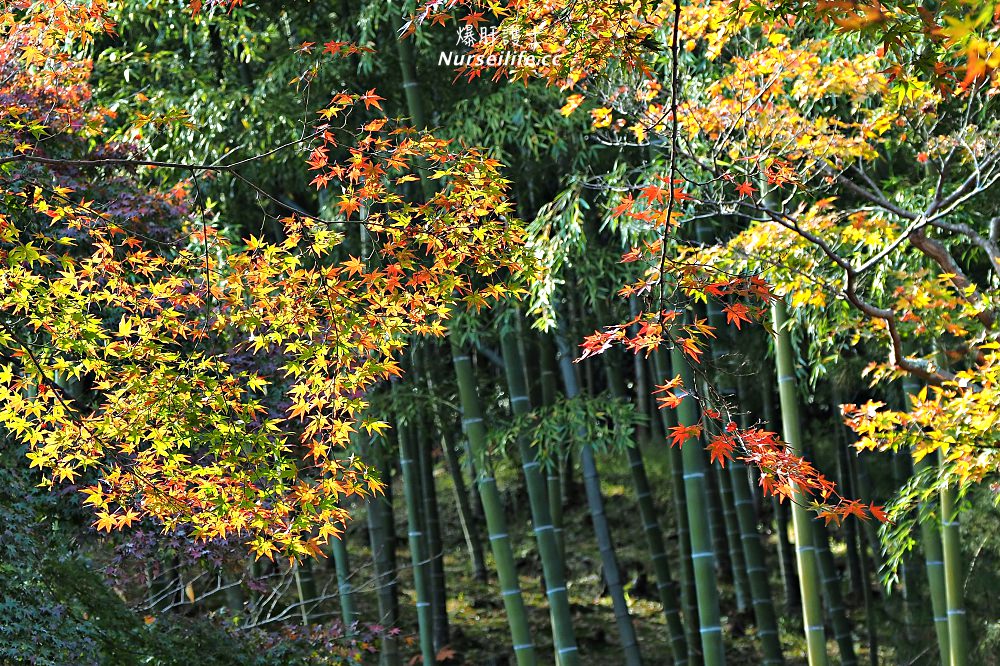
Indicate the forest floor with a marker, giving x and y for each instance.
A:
(479, 633)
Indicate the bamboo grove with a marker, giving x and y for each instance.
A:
(538, 332)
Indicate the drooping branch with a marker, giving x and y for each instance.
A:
(989, 245)
(942, 257)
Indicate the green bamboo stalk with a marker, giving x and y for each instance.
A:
(696, 501)
(341, 563)
(595, 502)
(727, 538)
(805, 549)
(553, 567)
(930, 539)
(850, 527)
(853, 540)
(665, 585)
(469, 524)
(862, 481)
(871, 621)
(780, 511)
(496, 522)
(720, 352)
(650, 427)
(689, 596)
(757, 572)
(958, 646)
(410, 471)
(435, 550)
(466, 519)
(753, 553)
(553, 468)
(902, 470)
(717, 526)
(737, 561)
(834, 598)
(381, 534)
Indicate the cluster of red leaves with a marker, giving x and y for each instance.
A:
(744, 300)
(646, 332)
(781, 472)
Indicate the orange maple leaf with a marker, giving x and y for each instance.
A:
(348, 206)
(371, 99)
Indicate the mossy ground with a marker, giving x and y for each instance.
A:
(479, 633)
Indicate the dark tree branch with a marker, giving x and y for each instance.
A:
(942, 257)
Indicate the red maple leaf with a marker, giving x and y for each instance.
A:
(680, 434)
(623, 206)
(474, 19)
(721, 449)
(333, 48)
(348, 206)
(736, 314)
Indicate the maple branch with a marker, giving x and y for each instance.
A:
(870, 196)
(113, 161)
(917, 237)
(674, 132)
(917, 367)
(164, 164)
(946, 162)
(869, 182)
(974, 184)
(942, 257)
(916, 226)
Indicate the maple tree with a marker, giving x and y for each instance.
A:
(623, 43)
(209, 381)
